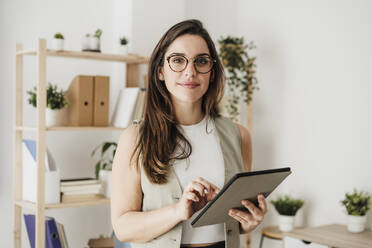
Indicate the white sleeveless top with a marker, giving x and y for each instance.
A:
(205, 161)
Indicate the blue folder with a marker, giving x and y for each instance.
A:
(52, 239)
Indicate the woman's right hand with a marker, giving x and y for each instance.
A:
(195, 196)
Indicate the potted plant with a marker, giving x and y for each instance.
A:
(57, 42)
(124, 45)
(95, 41)
(85, 43)
(357, 205)
(103, 168)
(240, 73)
(287, 208)
(56, 100)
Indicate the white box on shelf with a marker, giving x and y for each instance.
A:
(297, 243)
(52, 175)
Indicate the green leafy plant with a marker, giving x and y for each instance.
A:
(107, 153)
(87, 35)
(98, 33)
(286, 205)
(240, 67)
(123, 41)
(55, 98)
(357, 203)
(59, 36)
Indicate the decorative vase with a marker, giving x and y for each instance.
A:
(105, 176)
(286, 223)
(95, 44)
(85, 43)
(51, 117)
(123, 49)
(57, 44)
(356, 224)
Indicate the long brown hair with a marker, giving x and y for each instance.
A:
(158, 133)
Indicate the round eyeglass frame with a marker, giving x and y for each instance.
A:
(193, 61)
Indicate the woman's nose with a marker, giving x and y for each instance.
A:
(190, 69)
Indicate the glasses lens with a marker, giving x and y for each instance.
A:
(203, 64)
(177, 63)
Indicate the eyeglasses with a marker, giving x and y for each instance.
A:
(202, 64)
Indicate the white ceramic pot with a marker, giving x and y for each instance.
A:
(51, 117)
(286, 223)
(57, 44)
(356, 224)
(95, 43)
(85, 43)
(105, 176)
(123, 50)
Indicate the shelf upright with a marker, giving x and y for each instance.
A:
(40, 143)
(17, 173)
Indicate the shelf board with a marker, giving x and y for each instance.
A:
(72, 128)
(72, 204)
(129, 59)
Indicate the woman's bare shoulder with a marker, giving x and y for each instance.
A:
(130, 134)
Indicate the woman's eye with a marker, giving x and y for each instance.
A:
(202, 61)
(178, 60)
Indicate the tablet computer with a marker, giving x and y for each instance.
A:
(245, 185)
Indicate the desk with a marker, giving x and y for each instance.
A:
(333, 236)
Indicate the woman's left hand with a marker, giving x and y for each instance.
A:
(251, 218)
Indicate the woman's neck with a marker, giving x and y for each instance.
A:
(188, 113)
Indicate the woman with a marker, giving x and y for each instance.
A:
(168, 167)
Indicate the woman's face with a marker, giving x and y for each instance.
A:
(188, 85)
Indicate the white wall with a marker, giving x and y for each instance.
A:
(311, 112)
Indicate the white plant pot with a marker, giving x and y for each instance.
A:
(95, 43)
(57, 44)
(51, 117)
(286, 223)
(123, 50)
(356, 224)
(105, 176)
(85, 43)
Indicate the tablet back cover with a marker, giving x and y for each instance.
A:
(247, 185)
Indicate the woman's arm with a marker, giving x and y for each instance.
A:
(129, 223)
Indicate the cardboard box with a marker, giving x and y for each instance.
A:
(88, 98)
(101, 100)
(79, 95)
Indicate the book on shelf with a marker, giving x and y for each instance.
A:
(128, 107)
(52, 236)
(71, 188)
(81, 197)
(140, 105)
(62, 235)
(83, 191)
(79, 181)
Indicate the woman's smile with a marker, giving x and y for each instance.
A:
(189, 85)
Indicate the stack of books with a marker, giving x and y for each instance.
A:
(81, 189)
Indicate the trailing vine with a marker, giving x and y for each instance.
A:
(240, 72)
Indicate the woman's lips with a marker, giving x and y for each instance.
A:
(190, 85)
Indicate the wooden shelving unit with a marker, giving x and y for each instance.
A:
(132, 63)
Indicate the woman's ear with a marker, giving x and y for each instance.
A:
(161, 74)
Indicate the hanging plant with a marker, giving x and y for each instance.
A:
(240, 72)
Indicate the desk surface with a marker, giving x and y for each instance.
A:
(333, 236)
